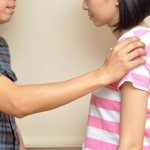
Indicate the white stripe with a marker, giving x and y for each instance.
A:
(148, 103)
(84, 148)
(148, 60)
(102, 135)
(141, 71)
(145, 38)
(147, 124)
(127, 34)
(105, 136)
(108, 94)
(146, 141)
(104, 114)
(109, 115)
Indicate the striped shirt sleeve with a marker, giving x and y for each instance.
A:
(140, 76)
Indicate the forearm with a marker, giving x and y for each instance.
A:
(24, 100)
(31, 99)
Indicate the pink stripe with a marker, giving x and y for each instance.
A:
(148, 51)
(141, 33)
(139, 80)
(148, 113)
(103, 124)
(149, 94)
(146, 147)
(106, 104)
(109, 104)
(147, 65)
(94, 144)
(112, 86)
(147, 133)
(112, 127)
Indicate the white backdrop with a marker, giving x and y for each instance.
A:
(52, 41)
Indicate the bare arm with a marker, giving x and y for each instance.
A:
(28, 99)
(133, 117)
(23, 100)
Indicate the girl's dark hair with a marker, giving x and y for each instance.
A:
(132, 12)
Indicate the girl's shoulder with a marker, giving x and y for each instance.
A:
(140, 76)
(141, 32)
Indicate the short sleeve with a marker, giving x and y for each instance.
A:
(5, 68)
(9, 74)
(140, 76)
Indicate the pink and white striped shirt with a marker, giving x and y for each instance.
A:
(104, 115)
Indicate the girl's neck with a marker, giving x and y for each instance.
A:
(118, 34)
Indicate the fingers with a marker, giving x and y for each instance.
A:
(127, 40)
(128, 45)
(123, 43)
(132, 46)
(136, 53)
(135, 63)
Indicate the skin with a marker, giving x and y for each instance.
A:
(23, 100)
(133, 117)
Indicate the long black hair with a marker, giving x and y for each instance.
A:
(131, 13)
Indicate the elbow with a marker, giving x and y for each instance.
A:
(13, 101)
(20, 114)
(20, 111)
(19, 107)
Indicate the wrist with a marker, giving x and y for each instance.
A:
(102, 77)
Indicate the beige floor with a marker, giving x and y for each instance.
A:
(53, 148)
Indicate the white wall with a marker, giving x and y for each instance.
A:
(52, 41)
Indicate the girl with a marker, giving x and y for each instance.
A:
(119, 117)
(22, 100)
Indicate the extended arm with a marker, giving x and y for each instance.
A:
(23, 100)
